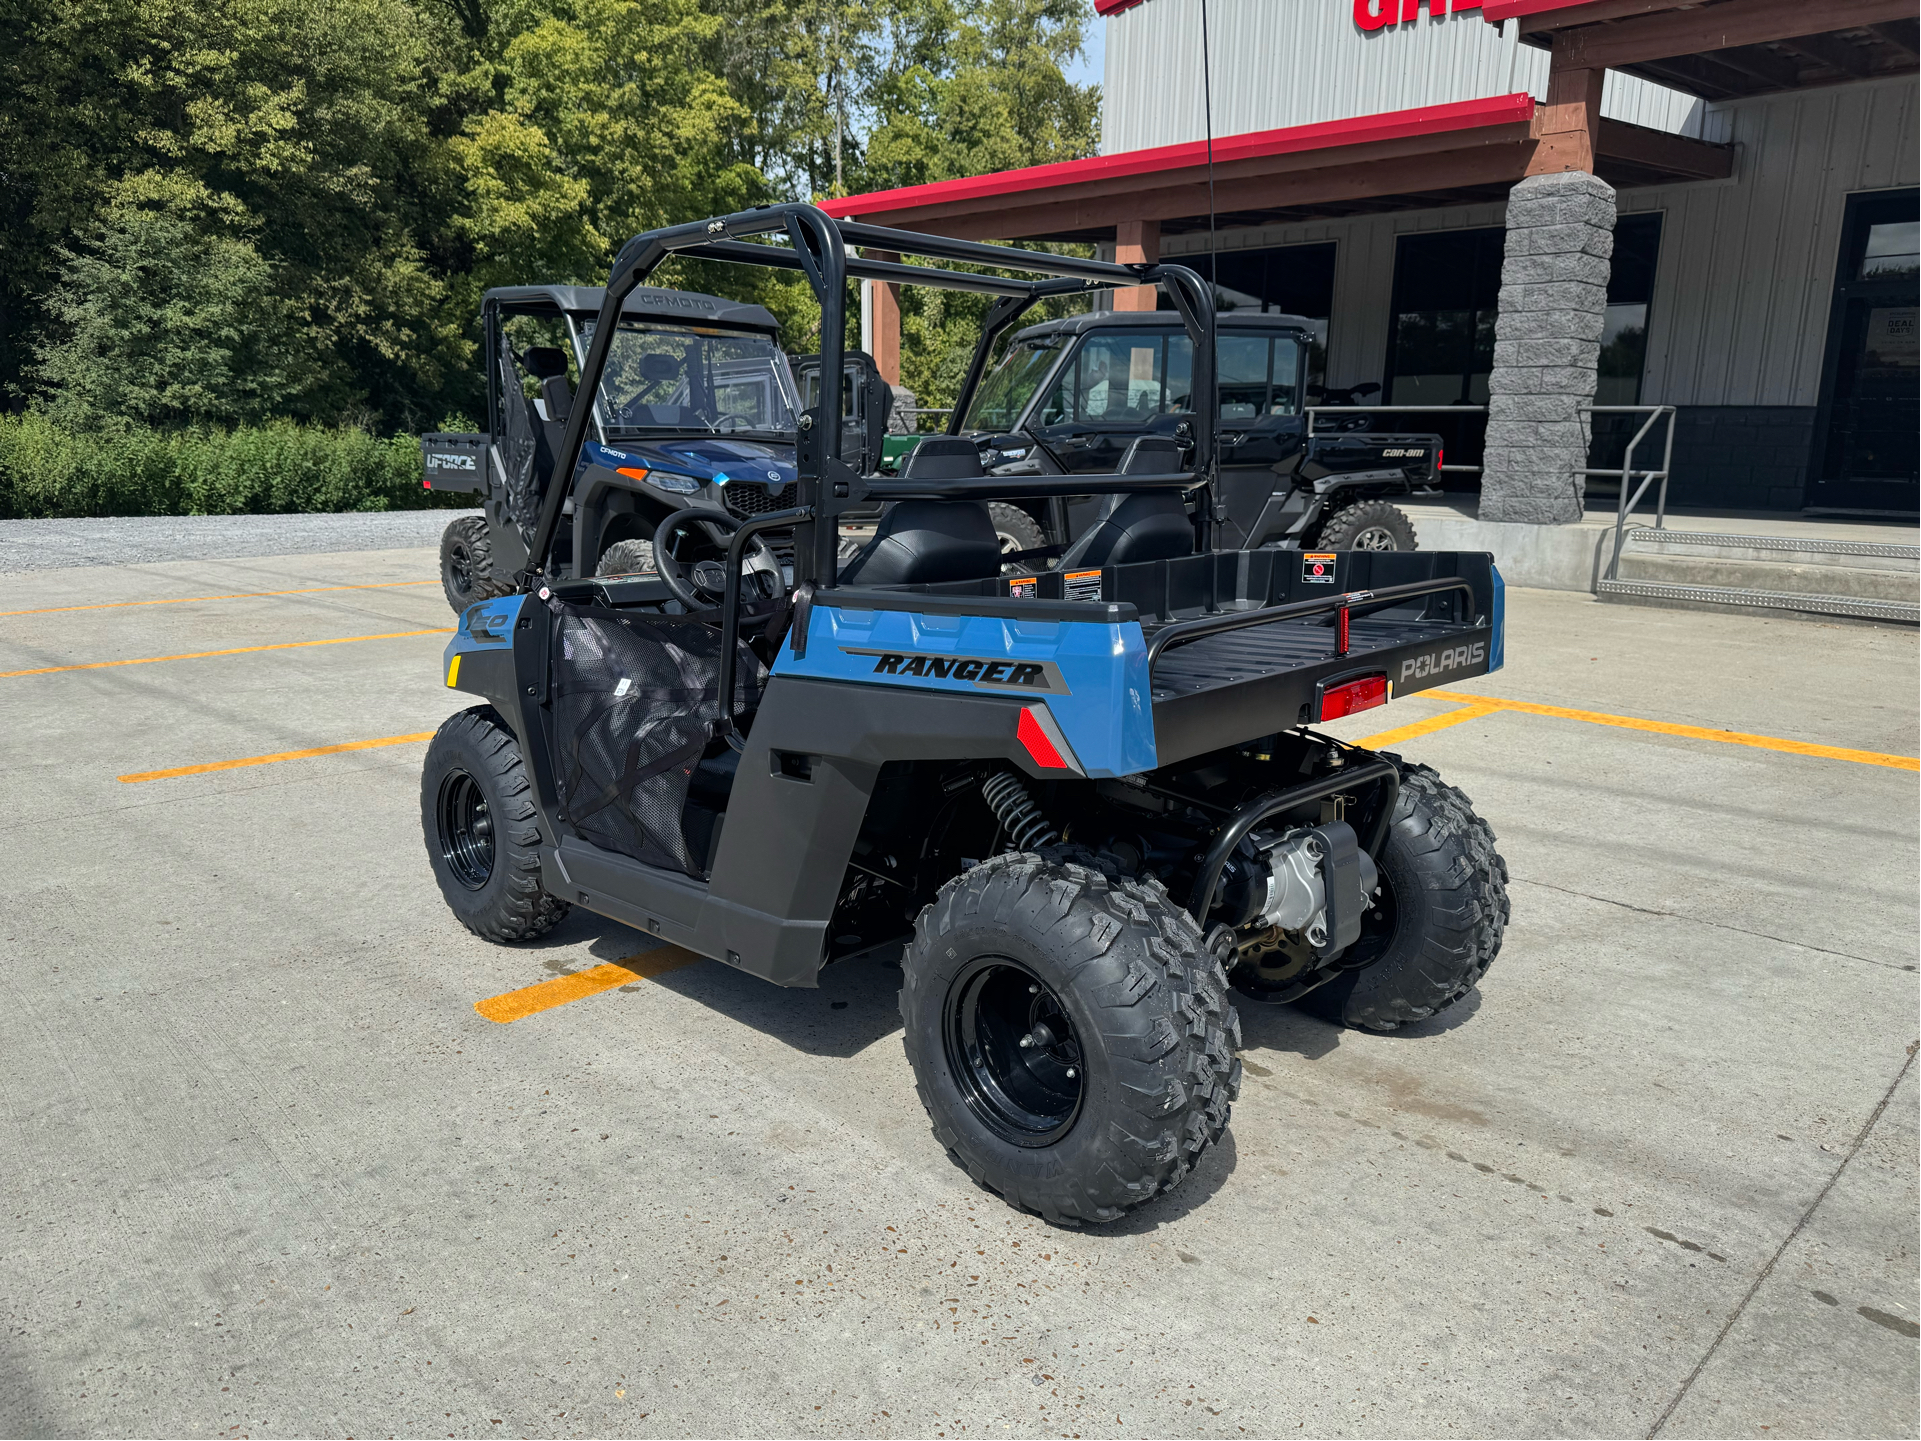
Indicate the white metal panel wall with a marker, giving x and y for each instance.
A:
(1746, 274)
(1296, 62)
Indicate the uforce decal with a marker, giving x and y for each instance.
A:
(989, 673)
(440, 460)
(1436, 662)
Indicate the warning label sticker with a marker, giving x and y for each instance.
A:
(1023, 588)
(1317, 568)
(1082, 584)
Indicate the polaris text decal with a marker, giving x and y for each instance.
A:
(983, 671)
(1440, 661)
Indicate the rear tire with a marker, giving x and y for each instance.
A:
(467, 564)
(483, 830)
(1016, 528)
(1439, 921)
(1137, 1072)
(1368, 525)
(627, 557)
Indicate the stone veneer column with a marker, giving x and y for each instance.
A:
(1547, 345)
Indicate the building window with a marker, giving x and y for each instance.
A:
(1284, 280)
(1446, 287)
(1624, 336)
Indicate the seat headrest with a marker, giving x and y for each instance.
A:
(1151, 455)
(543, 362)
(943, 457)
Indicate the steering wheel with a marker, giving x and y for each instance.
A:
(703, 584)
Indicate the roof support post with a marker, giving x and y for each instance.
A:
(1567, 128)
(885, 316)
(1137, 242)
(1547, 347)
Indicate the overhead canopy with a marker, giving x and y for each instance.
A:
(1723, 48)
(1402, 160)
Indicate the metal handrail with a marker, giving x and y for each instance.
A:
(1313, 410)
(1625, 474)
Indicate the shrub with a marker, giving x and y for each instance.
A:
(47, 471)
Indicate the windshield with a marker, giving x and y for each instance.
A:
(1004, 394)
(670, 377)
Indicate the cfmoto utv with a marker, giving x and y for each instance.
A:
(1086, 805)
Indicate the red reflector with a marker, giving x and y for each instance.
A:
(1440, 459)
(426, 485)
(1353, 697)
(1040, 747)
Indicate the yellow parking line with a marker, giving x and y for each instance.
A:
(531, 1000)
(1425, 727)
(1669, 728)
(235, 765)
(237, 595)
(237, 650)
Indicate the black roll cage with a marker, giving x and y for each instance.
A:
(823, 250)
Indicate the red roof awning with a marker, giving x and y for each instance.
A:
(1173, 166)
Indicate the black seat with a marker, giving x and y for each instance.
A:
(1149, 525)
(922, 542)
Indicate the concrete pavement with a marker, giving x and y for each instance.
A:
(266, 1171)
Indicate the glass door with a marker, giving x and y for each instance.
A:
(1865, 450)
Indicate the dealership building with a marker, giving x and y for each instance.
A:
(1522, 210)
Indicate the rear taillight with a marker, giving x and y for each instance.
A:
(1440, 459)
(1352, 697)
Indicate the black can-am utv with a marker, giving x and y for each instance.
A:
(1069, 396)
(696, 408)
(1080, 804)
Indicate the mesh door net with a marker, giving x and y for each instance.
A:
(634, 707)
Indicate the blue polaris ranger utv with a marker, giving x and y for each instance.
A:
(1082, 805)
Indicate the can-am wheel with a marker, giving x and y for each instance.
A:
(1070, 1034)
(1368, 525)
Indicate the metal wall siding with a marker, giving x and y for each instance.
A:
(1746, 274)
(1278, 64)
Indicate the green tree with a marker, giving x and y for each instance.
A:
(164, 324)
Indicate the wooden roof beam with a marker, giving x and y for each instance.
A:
(1677, 156)
(1833, 52)
(1724, 26)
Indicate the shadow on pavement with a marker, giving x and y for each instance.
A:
(856, 1005)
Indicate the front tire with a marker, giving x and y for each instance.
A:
(483, 830)
(1368, 525)
(627, 557)
(1129, 1071)
(467, 564)
(1438, 923)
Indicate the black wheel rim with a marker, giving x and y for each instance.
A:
(1028, 1094)
(460, 569)
(466, 830)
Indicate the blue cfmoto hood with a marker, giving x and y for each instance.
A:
(715, 458)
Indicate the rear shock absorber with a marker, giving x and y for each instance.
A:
(1026, 828)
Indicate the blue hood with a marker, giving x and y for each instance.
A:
(714, 458)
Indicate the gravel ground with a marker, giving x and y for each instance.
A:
(146, 539)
